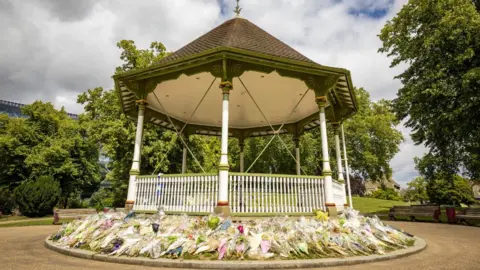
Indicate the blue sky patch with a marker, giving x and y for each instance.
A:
(374, 12)
(223, 7)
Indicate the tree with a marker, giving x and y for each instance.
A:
(372, 138)
(417, 190)
(47, 142)
(450, 191)
(440, 43)
(357, 184)
(134, 58)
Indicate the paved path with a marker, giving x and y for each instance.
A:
(449, 247)
(24, 220)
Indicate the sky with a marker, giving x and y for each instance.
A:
(54, 50)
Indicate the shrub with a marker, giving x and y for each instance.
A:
(6, 200)
(37, 198)
(76, 202)
(101, 199)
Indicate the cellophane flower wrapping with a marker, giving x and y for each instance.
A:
(216, 238)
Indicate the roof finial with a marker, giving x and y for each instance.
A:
(237, 9)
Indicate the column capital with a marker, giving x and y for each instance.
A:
(226, 87)
(321, 101)
(142, 103)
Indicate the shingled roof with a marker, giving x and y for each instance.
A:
(241, 34)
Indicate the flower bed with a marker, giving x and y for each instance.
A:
(217, 238)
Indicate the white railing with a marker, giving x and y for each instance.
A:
(247, 193)
(265, 193)
(177, 193)
(339, 195)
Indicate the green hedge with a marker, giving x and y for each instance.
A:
(37, 198)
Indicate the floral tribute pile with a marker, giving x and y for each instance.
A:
(212, 237)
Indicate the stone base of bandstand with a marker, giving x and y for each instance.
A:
(223, 210)
(331, 210)
(419, 245)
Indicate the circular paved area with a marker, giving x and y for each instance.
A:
(449, 247)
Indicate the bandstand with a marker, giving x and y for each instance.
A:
(266, 89)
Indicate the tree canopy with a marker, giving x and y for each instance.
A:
(48, 142)
(439, 41)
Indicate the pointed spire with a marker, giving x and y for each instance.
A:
(237, 9)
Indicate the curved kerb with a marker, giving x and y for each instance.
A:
(419, 245)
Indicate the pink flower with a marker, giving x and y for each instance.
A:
(265, 245)
(240, 229)
(222, 248)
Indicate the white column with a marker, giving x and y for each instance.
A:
(136, 154)
(224, 167)
(327, 172)
(297, 154)
(336, 128)
(346, 170)
(184, 160)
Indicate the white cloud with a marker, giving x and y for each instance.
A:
(50, 51)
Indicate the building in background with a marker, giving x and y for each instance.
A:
(371, 186)
(14, 109)
(476, 191)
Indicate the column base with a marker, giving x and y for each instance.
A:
(129, 206)
(331, 210)
(222, 210)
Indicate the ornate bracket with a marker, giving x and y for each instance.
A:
(321, 84)
(142, 88)
(233, 69)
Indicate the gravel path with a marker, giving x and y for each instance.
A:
(449, 247)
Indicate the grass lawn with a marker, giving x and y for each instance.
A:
(377, 206)
(370, 205)
(32, 222)
(10, 218)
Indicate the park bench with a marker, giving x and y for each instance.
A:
(71, 213)
(415, 211)
(468, 214)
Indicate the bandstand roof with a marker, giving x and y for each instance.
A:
(265, 73)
